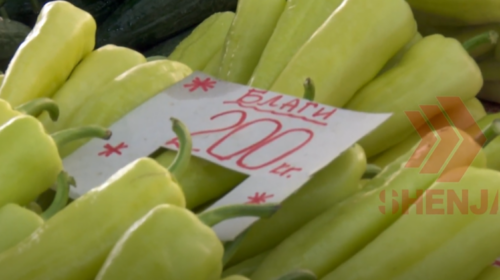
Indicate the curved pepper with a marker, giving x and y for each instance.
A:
(95, 70)
(17, 223)
(329, 186)
(296, 25)
(490, 273)
(212, 67)
(247, 37)
(246, 267)
(400, 54)
(473, 107)
(172, 235)
(458, 12)
(417, 80)
(62, 36)
(338, 233)
(30, 108)
(205, 41)
(340, 60)
(453, 238)
(27, 149)
(108, 210)
(125, 93)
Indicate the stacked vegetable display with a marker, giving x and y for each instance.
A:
(65, 84)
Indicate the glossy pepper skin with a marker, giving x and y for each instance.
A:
(95, 70)
(459, 12)
(246, 267)
(489, 273)
(124, 93)
(400, 54)
(438, 243)
(27, 149)
(473, 106)
(332, 184)
(18, 223)
(204, 42)
(244, 46)
(335, 51)
(295, 27)
(64, 34)
(340, 232)
(109, 210)
(416, 80)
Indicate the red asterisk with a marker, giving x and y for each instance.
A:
(205, 85)
(259, 198)
(113, 150)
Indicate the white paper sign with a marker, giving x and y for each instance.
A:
(278, 140)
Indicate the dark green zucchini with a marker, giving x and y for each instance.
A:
(141, 24)
(12, 35)
(22, 10)
(166, 47)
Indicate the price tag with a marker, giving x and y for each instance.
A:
(278, 140)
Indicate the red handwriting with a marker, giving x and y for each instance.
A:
(277, 136)
(282, 106)
(113, 150)
(285, 169)
(197, 83)
(259, 198)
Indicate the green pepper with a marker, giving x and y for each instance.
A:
(338, 233)
(332, 184)
(473, 106)
(489, 273)
(458, 12)
(235, 277)
(95, 70)
(340, 60)
(27, 149)
(205, 41)
(400, 54)
(472, 31)
(295, 27)
(61, 37)
(247, 37)
(417, 80)
(125, 92)
(103, 214)
(175, 237)
(246, 267)
(453, 238)
(17, 223)
(492, 150)
(212, 67)
(37, 106)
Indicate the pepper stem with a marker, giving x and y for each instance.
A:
(300, 274)
(371, 171)
(64, 181)
(490, 133)
(181, 161)
(309, 90)
(220, 214)
(69, 135)
(37, 106)
(490, 37)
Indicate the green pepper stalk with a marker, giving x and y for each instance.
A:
(490, 133)
(298, 275)
(490, 37)
(371, 171)
(64, 181)
(64, 137)
(181, 161)
(222, 213)
(309, 90)
(37, 106)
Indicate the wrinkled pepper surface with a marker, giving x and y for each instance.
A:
(336, 57)
(295, 26)
(27, 149)
(18, 223)
(340, 232)
(417, 80)
(168, 236)
(458, 230)
(124, 93)
(461, 117)
(244, 46)
(204, 42)
(329, 186)
(62, 36)
(95, 70)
